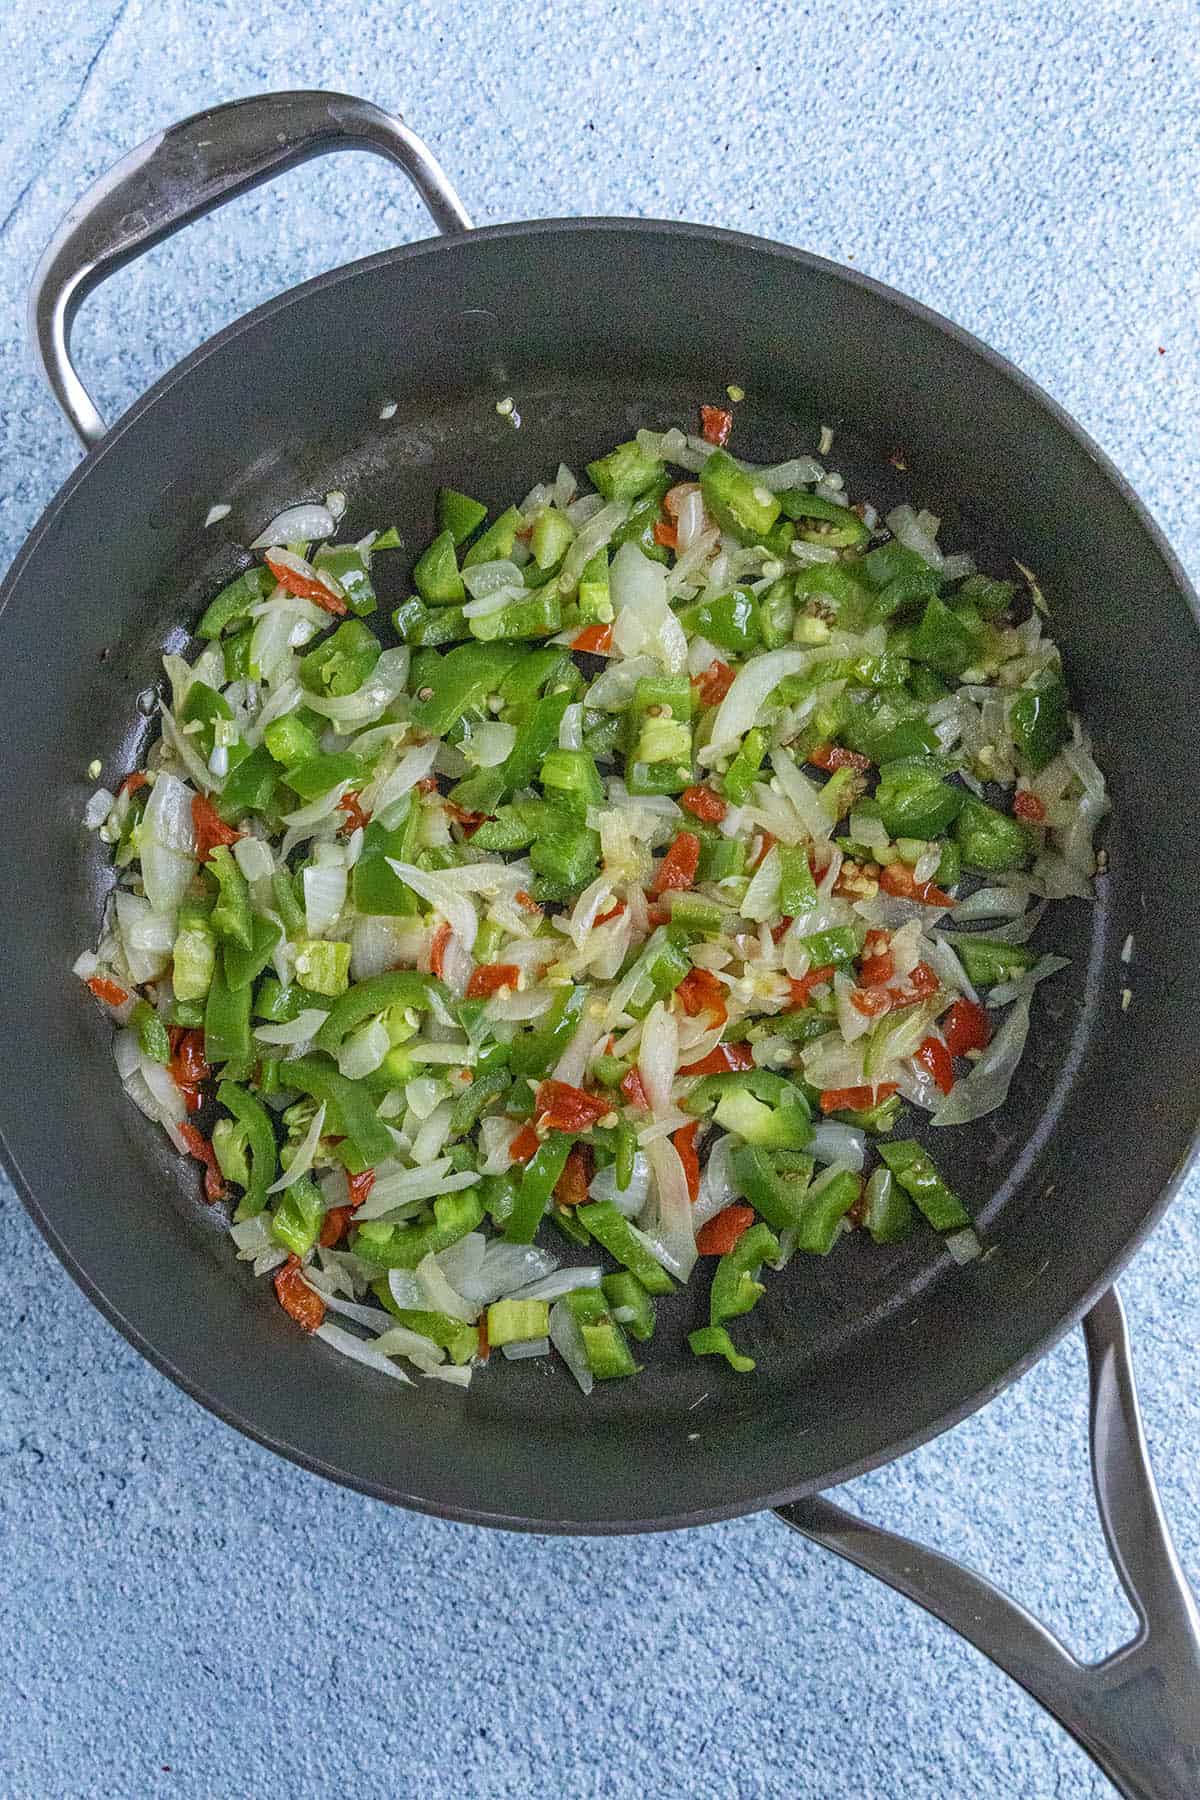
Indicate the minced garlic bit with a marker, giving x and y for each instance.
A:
(825, 444)
(1126, 999)
(1127, 949)
(735, 393)
(94, 768)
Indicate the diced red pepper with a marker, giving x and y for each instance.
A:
(684, 1141)
(936, 1060)
(674, 497)
(634, 1092)
(571, 1188)
(187, 1065)
(470, 821)
(305, 584)
(335, 1225)
(489, 978)
(1028, 807)
(427, 784)
(199, 1147)
(561, 1107)
(360, 1186)
(719, 1236)
(133, 782)
(871, 1002)
(437, 949)
(724, 1060)
(833, 756)
(614, 912)
(595, 638)
(714, 683)
(701, 992)
(702, 803)
(898, 879)
(210, 827)
(356, 818)
(526, 902)
(658, 915)
(715, 425)
(678, 867)
(802, 988)
(665, 534)
(111, 992)
(921, 983)
(297, 1299)
(780, 931)
(524, 1145)
(855, 1099)
(966, 1027)
(876, 965)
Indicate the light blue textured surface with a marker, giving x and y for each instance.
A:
(182, 1613)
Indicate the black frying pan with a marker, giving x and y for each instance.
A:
(598, 326)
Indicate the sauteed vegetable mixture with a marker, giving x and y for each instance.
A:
(624, 908)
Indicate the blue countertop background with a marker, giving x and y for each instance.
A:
(184, 1614)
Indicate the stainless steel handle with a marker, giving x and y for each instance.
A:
(187, 171)
(1136, 1713)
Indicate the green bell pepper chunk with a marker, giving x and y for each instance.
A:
(539, 616)
(226, 1021)
(784, 1128)
(536, 1186)
(730, 620)
(883, 565)
(505, 831)
(797, 889)
(735, 500)
(987, 595)
(663, 966)
(1040, 721)
(536, 737)
(566, 859)
(517, 1321)
(839, 945)
(945, 640)
(234, 602)
(317, 774)
(714, 1340)
(833, 588)
(915, 1172)
(774, 1185)
(613, 1231)
(886, 725)
(989, 840)
(470, 1106)
(292, 739)
(721, 857)
(572, 776)
(229, 1148)
(377, 889)
(692, 916)
(436, 574)
(889, 1214)
(322, 966)
(459, 515)
(283, 892)
(743, 771)
(231, 917)
(833, 525)
(625, 473)
(626, 1153)
(630, 1305)
(824, 1208)
(243, 966)
(296, 1222)
(879, 1119)
(258, 1131)
(204, 706)
(152, 1033)
(353, 1115)
(639, 526)
(236, 652)
(461, 681)
(777, 613)
(534, 1053)
(608, 1354)
(551, 537)
(948, 873)
(595, 601)
(735, 1288)
(496, 544)
(987, 962)
(914, 800)
(457, 1338)
(277, 1004)
(350, 567)
(194, 957)
(454, 1215)
(343, 662)
(377, 994)
(533, 673)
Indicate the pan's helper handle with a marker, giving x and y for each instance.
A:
(184, 173)
(1137, 1713)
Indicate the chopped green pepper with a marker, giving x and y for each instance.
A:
(889, 1215)
(608, 1354)
(459, 515)
(730, 621)
(350, 1111)
(496, 544)
(516, 1321)
(612, 1230)
(835, 526)
(537, 1184)
(342, 662)
(1040, 721)
(231, 917)
(436, 575)
(244, 966)
(743, 771)
(398, 1247)
(351, 567)
(296, 1221)
(915, 1172)
(988, 839)
(625, 473)
(233, 603)
(735, 1288)
(714, 1340)
(226, 1020)
(915, 800)
(987, 962)
(631, 1306)
(738, 503)
(254, 1122)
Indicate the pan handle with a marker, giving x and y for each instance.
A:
(184, 173)
(1136, 1713)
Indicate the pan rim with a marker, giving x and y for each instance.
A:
(1073, 1310)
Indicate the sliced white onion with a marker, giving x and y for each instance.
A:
(912, 531)
(658, 1057)
(324, 896)
(593, 536)
(378, 944)
(302, 1162)
(986, 1087)
(448, 898)
(562, 1281)
(405, 1289)
(567, 1338)
(844, 1144)
(414, 1184)
(503, 1270)
(526, 1349)
(297, 525)
(440, 1296)
(490, 743)
(362, 1051)
(761, 899)
(299, 1030)
(629, 1201)
(717, 1187)
(348, 1345)
(669, 1217)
